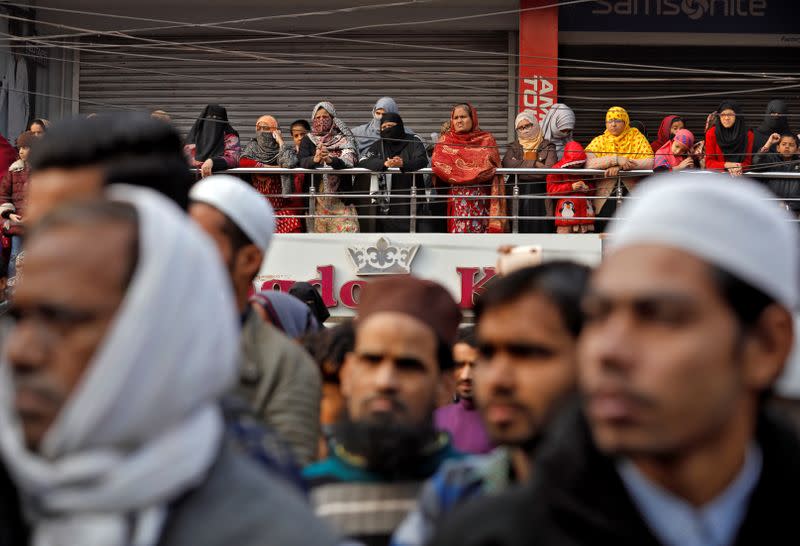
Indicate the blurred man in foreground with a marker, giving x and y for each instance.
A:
(109, 424)
(80, 156)
(688, 326)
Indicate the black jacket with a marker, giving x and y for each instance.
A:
(13, 530)
(785, 188)
(577, 498)
(305, 157)
(414, 158)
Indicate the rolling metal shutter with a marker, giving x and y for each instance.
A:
(286, 79)
(592, 92)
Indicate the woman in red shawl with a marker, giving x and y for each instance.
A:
(666, 132)
(466, 158)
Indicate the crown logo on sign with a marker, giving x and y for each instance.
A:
(384, 258)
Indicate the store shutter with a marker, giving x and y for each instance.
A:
(297, 74)
(591, 91)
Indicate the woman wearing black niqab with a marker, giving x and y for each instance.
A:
(392, 192)
(212, 144)
(775, 121)
(309, 295)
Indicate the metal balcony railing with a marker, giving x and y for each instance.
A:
(421, 192)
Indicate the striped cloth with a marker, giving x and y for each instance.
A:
(360, 504)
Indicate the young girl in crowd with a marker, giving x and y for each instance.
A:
(784, 159)
(573, 214)
(676, 154)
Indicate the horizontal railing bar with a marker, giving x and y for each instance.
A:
(407, 217)
(502, 171)
(404, 198)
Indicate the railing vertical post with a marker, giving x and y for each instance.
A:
(619, 191)
(413, 223)
(515, 206)
(312, 205)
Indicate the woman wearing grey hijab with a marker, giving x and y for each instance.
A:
(370, 132)
(558, 125)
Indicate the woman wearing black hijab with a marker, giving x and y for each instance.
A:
(729, 143)
(775, 122)
(399, 149)
(212, 144)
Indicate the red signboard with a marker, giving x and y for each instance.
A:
(472, 281)
(538, 52)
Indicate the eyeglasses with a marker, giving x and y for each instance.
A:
(266, 128)
(524, 127)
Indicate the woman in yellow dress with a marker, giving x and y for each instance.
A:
(620, 148)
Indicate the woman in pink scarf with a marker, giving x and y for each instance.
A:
(676, 154)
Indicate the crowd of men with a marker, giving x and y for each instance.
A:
(149, 399)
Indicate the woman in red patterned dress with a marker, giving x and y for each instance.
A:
(466, 158)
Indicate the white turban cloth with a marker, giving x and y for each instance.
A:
(142, 426)
(733, 224)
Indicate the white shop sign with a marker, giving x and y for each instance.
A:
(339, 264)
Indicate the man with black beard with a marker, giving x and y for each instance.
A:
(387, 445)
(526, 367)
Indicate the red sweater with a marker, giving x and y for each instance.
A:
(715, 158)
(571, 205)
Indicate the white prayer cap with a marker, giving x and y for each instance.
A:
(733, 224)
(240, 202)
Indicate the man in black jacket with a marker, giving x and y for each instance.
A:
(687, 328)
(392, 192)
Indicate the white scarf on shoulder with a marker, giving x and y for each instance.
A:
(142, 426)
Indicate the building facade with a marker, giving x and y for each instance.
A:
(651, 56)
